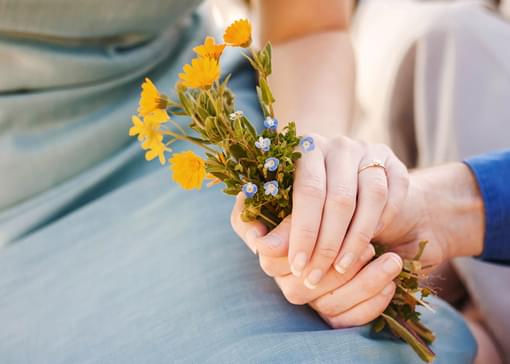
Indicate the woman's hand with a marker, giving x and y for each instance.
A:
(342, 300)
(342, 197)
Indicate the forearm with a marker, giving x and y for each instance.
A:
(313, 62)
(452, 200)
(313, 83)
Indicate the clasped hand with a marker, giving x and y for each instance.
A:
(346, 193)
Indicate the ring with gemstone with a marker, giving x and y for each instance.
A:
(375, 163)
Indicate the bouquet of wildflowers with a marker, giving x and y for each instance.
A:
(260, 165)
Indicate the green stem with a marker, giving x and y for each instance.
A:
(406, 333)
(270, 221)
(186, 138)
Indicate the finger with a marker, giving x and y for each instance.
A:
(366, 284)
(398, 183)
(308, 201)
(372, 193)
(248, 232)
(342, 180)
(296, 293)
(274, 266)
(365, 312)
(276, 242)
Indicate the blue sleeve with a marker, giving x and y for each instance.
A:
(492, 171)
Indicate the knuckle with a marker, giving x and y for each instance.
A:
(342, 196)
(267, 266)
(327, 308)
(338, 322)
(294, 295)
(403, 180)
(327, 252)
(372, 286)
(382, 148)
(311, 186)
(363, 237)
(308, 233)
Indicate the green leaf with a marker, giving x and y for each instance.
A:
(186, 103)
(379, 324)
(252, 61)
(267, 95)
(249, 127)
(266, 62)
(237, 151)
(233, 191)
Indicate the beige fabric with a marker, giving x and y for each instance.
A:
(505, 8)
(434, 83)
(423, 81)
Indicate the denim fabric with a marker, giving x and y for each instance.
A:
(492, 171)
(153, 274)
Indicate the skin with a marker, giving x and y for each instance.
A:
(435, 195)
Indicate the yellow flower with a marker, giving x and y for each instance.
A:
(150, 135)
(188, 170)
(151, 100)
(238, 34)
(201, 73)
(210, 49)
(156, 148)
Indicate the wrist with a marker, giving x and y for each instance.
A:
(452, 200)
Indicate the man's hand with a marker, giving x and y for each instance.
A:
(443, 206)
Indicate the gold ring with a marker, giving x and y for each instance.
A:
(375, 163)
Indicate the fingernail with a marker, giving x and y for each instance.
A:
(368, 254)
(392, 264)
(274, 241)
(344, 263)
(313, 279)
(388, 289)
(298, 264)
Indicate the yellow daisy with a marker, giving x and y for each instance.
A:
(188, 170)
(156, 148)
(238, 34)
(151, 100)
(201, 73)
(149, 135)
(210, 49)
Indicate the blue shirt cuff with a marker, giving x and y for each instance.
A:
(492, 171)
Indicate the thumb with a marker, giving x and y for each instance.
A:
(276, 242)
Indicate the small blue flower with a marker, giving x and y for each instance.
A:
(263, 144)
(307, 144)
(271, 123)
(250, 189)
(271, 164)
(271, 188)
